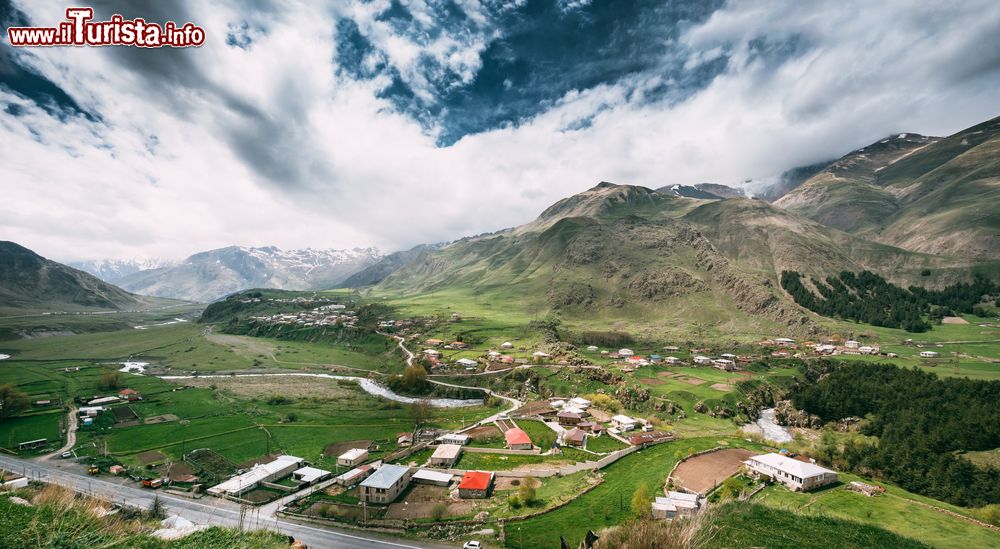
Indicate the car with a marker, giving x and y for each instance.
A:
(472, 545)
(66, 455)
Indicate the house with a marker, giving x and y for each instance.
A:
(90, 411)
(352, 457)
(432, 353)
(637, 360)
(433, 342)
(310, 475)
(649, 438)
(724, 364)
(454, 438)
(625, 352)
(851, 344)
(404, 439)
(475, 484)
(446, 455)
(458, 345)
(784, 341)
(467, 362)
(672, 360)
(506, 345)
(354, 476)
(592, 348)
(517, 439)
(623, 423)
(435, 478)
(655, 359)
(569, 418)
(796, 475)
(868, 350)
(540, 355)
(676, 504)
(129, 395)
(580, 403)
(591, 427)
(929, 354)
(574, 437)
(280, 468)
(385, 484)
(701, 359)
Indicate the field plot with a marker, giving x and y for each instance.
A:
(703, 473)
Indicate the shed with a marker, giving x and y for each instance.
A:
(427, 476)
(352, 457)
(446, 455)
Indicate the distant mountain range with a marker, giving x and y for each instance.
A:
(708, 191)
(210, 275)
(113, 270)
(29, 281)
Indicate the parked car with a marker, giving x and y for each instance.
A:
(472, 545)
(66, 455)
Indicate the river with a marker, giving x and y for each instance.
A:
(770, 429)
(371, 387)
(4, 357)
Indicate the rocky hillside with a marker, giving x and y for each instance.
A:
(924, 194)
(210, 275)
(29, 281)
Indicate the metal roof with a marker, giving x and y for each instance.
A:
(386, 476)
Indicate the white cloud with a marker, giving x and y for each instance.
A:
(269, 146)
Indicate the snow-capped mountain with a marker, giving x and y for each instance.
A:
(207, 276)
(113, 270)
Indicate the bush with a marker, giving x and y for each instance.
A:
(12, 400)
(438, 511)
(526, 492)
(279, 400)
(109, 381)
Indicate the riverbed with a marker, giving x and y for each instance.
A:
(767, 427)
(369, 386)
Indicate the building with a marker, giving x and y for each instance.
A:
(129, 394)
(354, 476)
(724, 364)
(580, 403)
(569, 418)
(385, 484)
(475, 485)
(649, 438)
(672, 360)
(851, 344)
(624, 423)
(784, 341)
(310, 475)
(436, 478)
(446, 455)
(701, 359)
(929, 354)
(676, 504)
(262, 472)
(352, 457)
(540, 354)
(454, 438)
(592, 348)
(517, 439)
(506, 345)
(404, 439)
(575, 437)
(796, 475)
(625, 352)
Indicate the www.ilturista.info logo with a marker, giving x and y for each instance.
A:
(79, 30)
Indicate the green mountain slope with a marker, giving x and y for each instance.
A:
(29, 281)
(619, 253)
(920, 193)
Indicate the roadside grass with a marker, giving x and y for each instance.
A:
(898, 511)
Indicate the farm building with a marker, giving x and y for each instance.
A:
(724, 364)
(310, 475)
(129, 394)
(591, 427)
(454, 438)
(90, 411)
(103, 400)
(475, 485)
(796, 475)
(625, 352)
(592, 348)
(404, 439)
(675, 504)
(506, 345)
(446, 455)
(354, 476)
(467, 362)
(784, 340)
(649, 438)
(624, 423)
(569, 418)
(352, 457)
(701, 359)
(517, 439)
(266, 472)
(574, 437)
(929, 354)
(436, 478)
(385, 484)
(540, 354)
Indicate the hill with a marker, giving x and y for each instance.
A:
(375, 273)
(924, 194)
(113, 270)
(707, 191)
(630, 255)
(210, 275)
(29, 281)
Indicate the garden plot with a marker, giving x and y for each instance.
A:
(703, 473)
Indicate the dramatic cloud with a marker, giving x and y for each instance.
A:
(393, 123)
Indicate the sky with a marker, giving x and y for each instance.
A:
(395, 123)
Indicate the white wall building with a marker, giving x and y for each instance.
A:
(796, 475)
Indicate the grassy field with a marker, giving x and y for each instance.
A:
(898, 511)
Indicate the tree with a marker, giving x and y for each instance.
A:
(438, 511)
(110, 380)
(526, 492)
(12, 401)
(420, 411)
(415, 378)
(641, 502)
(157, 510)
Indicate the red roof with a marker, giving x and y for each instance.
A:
(128, 392)
(516, 436)
(476, 480)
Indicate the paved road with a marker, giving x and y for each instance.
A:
(208, 510)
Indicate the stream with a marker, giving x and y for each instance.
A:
(770, 429)
(371, 387)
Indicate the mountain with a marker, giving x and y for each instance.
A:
(627, 255)
(113, 270)
(707, 191)
(375, 273)
(925, 194)
(29, 281)
(207, 276)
